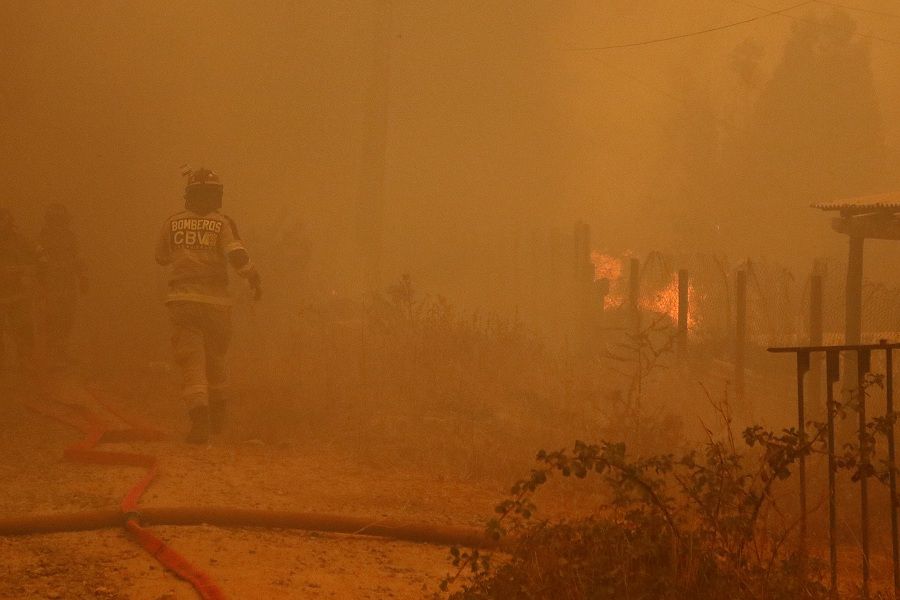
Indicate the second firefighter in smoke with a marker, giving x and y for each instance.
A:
(62, 277)
(18, 260)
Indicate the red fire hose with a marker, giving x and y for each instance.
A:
(242, 517)
(96, 430)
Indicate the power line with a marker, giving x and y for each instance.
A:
(695, 33)
(783, 13)
(826, 25)
(865, 10)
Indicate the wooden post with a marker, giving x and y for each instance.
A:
(556, 295)
(892, 466)
(802, 370)
(683, 308)
(740, 333)
(815, 309)
(634, 284)
(576, 250)
(582, 257)
(852, 315)
(832, 369)
(863, 365)
(853, 324)
(585, 287)
(587, 270)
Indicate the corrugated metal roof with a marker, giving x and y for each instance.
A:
(889, 201)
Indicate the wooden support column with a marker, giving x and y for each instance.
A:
(634, 294)
(853, 322)
(634, 283)
(585, 285)
(556, 278)
(853, 314)
(815, 310)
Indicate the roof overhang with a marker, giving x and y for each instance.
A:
(876, 217)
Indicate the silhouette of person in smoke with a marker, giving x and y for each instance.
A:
(61, 275)
(18, 259)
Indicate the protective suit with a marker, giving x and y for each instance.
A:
(199, 244)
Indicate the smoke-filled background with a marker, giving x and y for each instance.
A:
(473, 222)
(361, 140)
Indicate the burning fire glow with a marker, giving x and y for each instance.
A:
(662, 301)
(610, 268)
(606, 266)
(665, 301)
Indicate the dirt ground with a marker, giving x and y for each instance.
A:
(246, 563)
(301, 467)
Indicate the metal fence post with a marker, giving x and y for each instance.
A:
(863, 359)
(832, 367)
(802, 370)
(892, 464)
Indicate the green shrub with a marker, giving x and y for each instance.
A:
(691, 526)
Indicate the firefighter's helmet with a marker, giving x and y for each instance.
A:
(203, 177)
(203, 192)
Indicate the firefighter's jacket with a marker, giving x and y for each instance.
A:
(18, 260)
(197, 248)
(60, 268)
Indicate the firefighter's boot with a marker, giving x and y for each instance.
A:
(200, 427)
(217, 405)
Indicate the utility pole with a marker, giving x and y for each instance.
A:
(373, 159)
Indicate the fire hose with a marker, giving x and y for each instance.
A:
(135, 520)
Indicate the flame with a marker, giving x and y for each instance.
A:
(665, 301)
(662, 301)
(610, 268)
(606, 266)
(612, 301)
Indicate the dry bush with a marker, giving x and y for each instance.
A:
(707, 523)
(414, 380)
(670, 527)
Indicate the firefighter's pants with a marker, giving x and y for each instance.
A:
(60, 304)
(201, 336)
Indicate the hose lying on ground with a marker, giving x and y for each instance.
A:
(56, 404)
(242, 517)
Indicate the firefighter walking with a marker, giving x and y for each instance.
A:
(198, 244)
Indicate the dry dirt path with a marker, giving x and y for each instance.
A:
(246, 563)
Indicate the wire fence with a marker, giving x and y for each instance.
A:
(562, 283)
